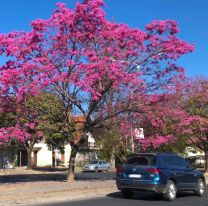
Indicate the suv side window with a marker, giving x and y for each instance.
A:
(172, 160)
(182, 162)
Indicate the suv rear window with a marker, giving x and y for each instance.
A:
(142, 160)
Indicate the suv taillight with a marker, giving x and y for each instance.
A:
(153, 170)
(119, 169)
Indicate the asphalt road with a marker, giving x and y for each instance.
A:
(143, 199)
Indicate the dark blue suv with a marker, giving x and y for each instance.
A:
(163, 173)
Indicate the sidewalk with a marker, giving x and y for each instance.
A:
(28, 187)
(36, 193)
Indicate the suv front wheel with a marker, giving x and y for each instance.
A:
(200, 187)
(170, 191)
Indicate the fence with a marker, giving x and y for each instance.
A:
(8, 157)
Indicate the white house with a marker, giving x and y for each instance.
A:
(191, 152)
(43, 156)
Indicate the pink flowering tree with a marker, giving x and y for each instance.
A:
(26, 135)
(160, 116)
(162, 122)
(93, 65)
(17, 95)
(24, 129)
(195, 125)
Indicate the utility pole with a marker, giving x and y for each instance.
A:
(132, 139)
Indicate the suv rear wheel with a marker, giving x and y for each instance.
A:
(127, 193)
(200, 187)
(171, 190)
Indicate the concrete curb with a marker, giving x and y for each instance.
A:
(74, 196)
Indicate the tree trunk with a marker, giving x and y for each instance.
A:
(113, 161)
(70, 175)
(206, 161)
(29, 159)
(4, 159)
(74, 150)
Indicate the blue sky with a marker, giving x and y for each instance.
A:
(191, 15)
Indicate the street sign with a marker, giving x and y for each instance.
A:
(139, 133)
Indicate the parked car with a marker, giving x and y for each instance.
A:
(197, 160)
(163, 173)
(96, 166)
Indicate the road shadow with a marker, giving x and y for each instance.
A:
(151, 196)
(60, 176)
(92, 176)
(5, 179)
(148, 196)
(49, 169)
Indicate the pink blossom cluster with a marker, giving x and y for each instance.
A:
(18, 133)
(80, 55)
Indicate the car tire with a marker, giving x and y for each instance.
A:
(107, 170)
(127, 193)
(170, 191)
(200, 187)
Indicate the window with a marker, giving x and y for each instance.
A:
(183, 162)
(175, 160)
(171, 160)
(142, 160)
(94, 162)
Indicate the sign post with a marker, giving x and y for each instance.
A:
(139, 134)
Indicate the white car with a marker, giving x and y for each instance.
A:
(96, 166)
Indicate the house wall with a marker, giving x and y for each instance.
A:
(44, 155)
(67, 153)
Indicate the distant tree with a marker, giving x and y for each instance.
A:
(109, 143)
(37, 116)
(195, 125)
(53, 122)
(160, 117)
